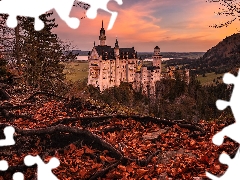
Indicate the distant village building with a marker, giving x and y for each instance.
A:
(109, 66)
(80, 55)
(184, 73)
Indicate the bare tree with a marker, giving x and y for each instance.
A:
(229, 8)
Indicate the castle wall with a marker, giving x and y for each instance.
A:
(137, 81)
(117, 67)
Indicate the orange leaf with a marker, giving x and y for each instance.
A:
(72, 147)
(79, 152)
(103, 158)
(109, 159)
(129, 169)
(83, 172)
(123, 168)
(141, 172)
(90, 151)
(94, 166)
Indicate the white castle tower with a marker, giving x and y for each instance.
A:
(157, 58)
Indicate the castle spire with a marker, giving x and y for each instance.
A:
(116, 43)
(102, 36)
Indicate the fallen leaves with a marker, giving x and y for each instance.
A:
(181, 156)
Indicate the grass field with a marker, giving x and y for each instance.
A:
(76, 70)
(208, 80)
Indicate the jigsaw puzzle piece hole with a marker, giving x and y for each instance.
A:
(29, 160)
(54, 162)
(39, 25)
(224, 158)
(218, 139)
(229, 78)
(114, 5)
(92, 13)
(73, 23)
(112, 20)
(12, 21)
(221, 105)
(9, 131)
(211, 176)
(18, 176)
(3, 165)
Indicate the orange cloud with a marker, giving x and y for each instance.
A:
(143, 23)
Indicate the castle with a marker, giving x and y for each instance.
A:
(109, 66)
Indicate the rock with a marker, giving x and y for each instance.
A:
(153, 135)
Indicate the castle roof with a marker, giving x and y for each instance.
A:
(108, 52)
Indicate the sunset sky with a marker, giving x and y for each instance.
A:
(173, 25)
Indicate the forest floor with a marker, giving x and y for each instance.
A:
(93, 145)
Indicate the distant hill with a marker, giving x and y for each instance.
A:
(227, 48)
(223, 57)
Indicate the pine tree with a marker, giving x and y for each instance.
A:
(41, 53)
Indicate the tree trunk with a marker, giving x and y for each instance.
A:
(17, 49)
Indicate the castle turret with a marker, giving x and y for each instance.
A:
(156, 74)
(157, 58)
(116, 49)
(102, 37)
(117, 63)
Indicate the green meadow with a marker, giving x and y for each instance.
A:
(209, 78)
(76, 70)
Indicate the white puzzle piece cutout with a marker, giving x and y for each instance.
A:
(18, 176)
(3, 165)
(232, 131)
(101, 4)
(8, 141)
(44, 171)
(8, 133)
(35, 8)
(233, 167)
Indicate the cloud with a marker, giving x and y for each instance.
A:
(146, 23)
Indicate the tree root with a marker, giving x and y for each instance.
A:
(104, 171)
(44, 93)
(10, 106)
(82, 132)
